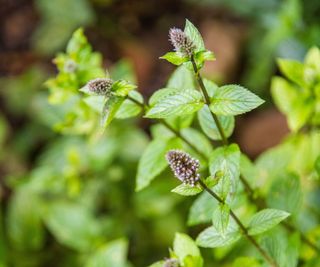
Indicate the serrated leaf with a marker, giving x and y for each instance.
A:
(161, 94)
(192, 32)
(211, 238)
(175, 58)
(181, 103)
(122, 88)
(110, 255)
(266, 219)
(152, 161)
(187, 190)
(182, 78)
(184, 246)
(220, 218)
(202, 209)
(233, 100)
(209, 126)
(110, 109)
(226, 160)
(129, 108)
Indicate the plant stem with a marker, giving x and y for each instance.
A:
(208, 102)
(248, 188)
(174, 131)
(242, 227)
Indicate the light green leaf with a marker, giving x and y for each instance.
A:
(312, 58)
(181, 122)
(202, 209)
(292, 101)
(160, 94)
(110, 255)
(293, 70)
(129, 108)
(181, 103)
(233, 100)
(181, 78)
(246, 262)
(157, 264)
(110, 108)
(266, 219)
(209, 126)
(122, 88)
(184, 246)
(192, 32)
(211, 238)
(175, 58)
(153, 161)
(220, 218)
(280, 197)
(226, 160)
(187, 190)
(67, 220)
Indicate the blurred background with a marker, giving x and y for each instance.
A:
(246, 38)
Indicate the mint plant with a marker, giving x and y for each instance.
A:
(194, 119)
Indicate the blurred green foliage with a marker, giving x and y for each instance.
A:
(67, 197)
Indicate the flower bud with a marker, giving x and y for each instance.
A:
(181, 42)
(184, 167)
(100, 86)
(171, 263)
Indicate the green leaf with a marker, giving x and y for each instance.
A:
(211, 238)
(312, 59)
(209, 126)
(246, 262)
(293, 70)
(220, 218)
(110, 255)
(226, 160)
(317, 165)
(110, 108)
(233, 100)
(153, 161)
(157, 264)
(175, 58)
(130, 109)
(160, 94)
(293, 102)
(187, 190)
(24, 224)
(192, 32)
(69, 220)
(181, 78)
(184, 246)
(201, 210)
(280, 197)
(181, 103)
(266, 219)
(122, 88)
(197, 139)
